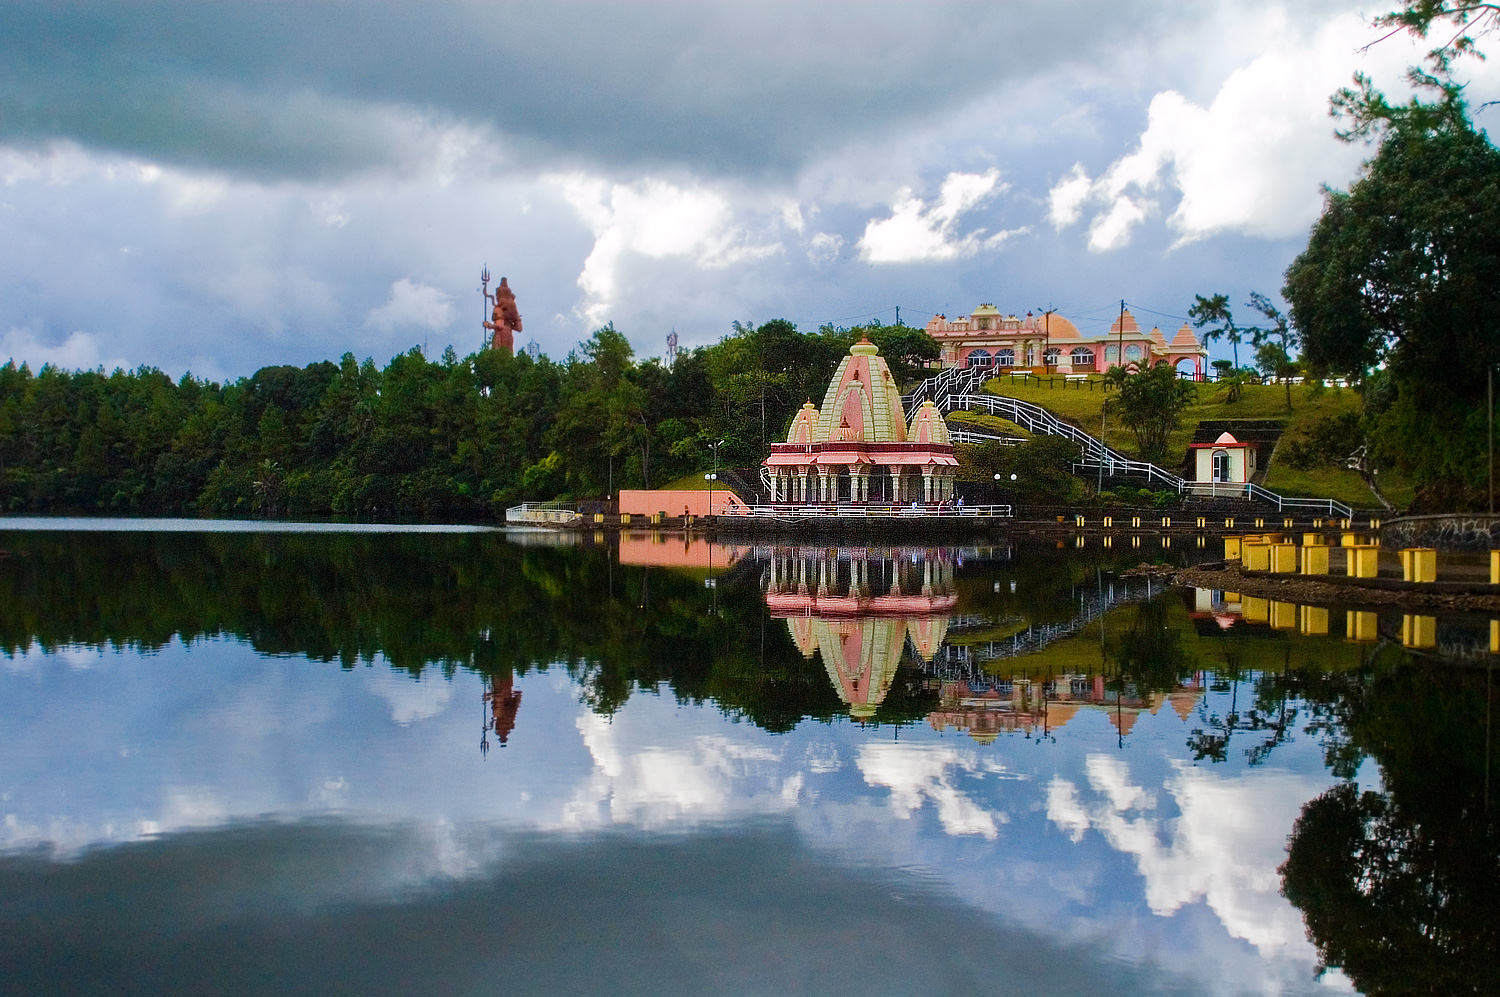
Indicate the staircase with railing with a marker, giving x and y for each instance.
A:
(961, 388)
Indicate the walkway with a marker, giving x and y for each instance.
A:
(962, 388)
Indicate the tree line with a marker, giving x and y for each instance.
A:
(448, 438)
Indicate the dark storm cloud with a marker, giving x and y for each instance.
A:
(322, 89)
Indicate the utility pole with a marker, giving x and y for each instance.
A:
(1490, 399)
(1121, 341)
(898, 314)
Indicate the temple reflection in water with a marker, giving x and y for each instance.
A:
(861, 609)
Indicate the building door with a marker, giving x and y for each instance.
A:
(1221, 466)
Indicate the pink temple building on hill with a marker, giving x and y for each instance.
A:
(1051, 343)
(859, 447)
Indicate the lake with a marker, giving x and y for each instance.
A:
(251, 760)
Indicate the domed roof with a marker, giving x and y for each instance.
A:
(927, 426)
(804, 425)
(1057, 327)
(985, 311)
(1157, 337)
(863, 403)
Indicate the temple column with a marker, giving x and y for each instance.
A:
(926, 485)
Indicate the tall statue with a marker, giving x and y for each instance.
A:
(505, 319)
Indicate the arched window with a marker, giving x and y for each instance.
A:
(1006, 358)
(1050, 357)
(1082, 358)
(1133, 353)
(979, 358)
(1112, 355)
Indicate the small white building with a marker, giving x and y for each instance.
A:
(1225, 460)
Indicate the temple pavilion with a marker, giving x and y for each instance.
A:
(859, 447)
(1051, 343)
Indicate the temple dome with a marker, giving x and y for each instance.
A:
(863, 404)
(804, 425)
(927, 426)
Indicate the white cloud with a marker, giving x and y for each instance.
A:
(412, 306)
(1253, 160)
(1066, 199)
(1223, 849)
(410, 698)
(80, 351)
(914, 773)
(824, 248)
(655, 219)
(916, 232)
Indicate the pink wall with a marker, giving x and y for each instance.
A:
(639, 502)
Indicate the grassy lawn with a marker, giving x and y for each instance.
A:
(1082, 407)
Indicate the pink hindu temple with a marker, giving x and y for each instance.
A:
(859, 447)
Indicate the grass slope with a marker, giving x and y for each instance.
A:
(1082, 406)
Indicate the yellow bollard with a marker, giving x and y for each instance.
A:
(1362, 562)
(1109, 541)
(1315, 560)
(1283, 616)
(1135, 522)
(1361, 626)
(1229, 523)
(1202, 542)
(1348, 539)
(1317, 524)
(1495, 567)
(1260, 523)
(1312, 539)
(598, 517)
(1109, 521)
(1256, 556)
(1287, 522)
(1077, 520)
(1419, 631)
(1232, 548)
(1419, 564)
(1202, 522)
(1495, 636)
(1078, 541)
(1166, 541)
(1313, 621)
(1135, 541)
(1256, 610)
(624, 519)
(1166, 521)
(1283, 558)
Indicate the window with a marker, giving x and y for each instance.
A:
(1006, 358)
(979, 358)
(1112, 355)
(1050, 357)
(1133, 353)
(1083, 358)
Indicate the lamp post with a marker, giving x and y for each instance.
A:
(714, 476)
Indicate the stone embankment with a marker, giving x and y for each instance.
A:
(1333, 590)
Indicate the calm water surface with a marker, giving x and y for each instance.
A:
(416, 762)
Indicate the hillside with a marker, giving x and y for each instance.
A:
(1081, 403)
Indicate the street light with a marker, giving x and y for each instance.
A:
(711, 478)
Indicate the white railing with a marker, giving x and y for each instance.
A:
(959, 388)
(541, 512)
(874, 510)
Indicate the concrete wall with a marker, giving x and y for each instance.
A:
(640, 502)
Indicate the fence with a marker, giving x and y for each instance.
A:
(875, 510)
(959, 389)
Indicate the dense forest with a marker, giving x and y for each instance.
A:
(453, 438)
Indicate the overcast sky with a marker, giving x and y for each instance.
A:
(220, 187)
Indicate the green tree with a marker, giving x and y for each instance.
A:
(1152, 403)
(1213, 316)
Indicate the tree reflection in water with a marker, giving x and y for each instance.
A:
(1400, 887)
